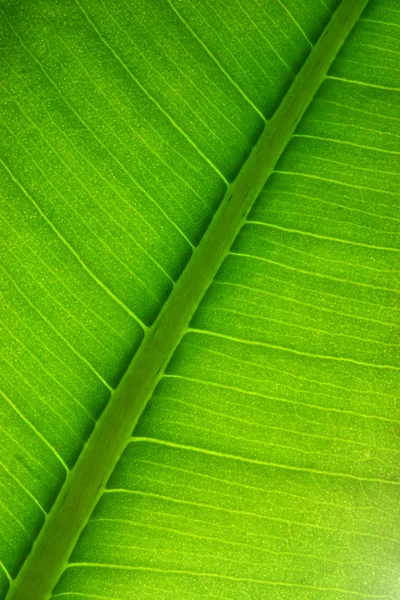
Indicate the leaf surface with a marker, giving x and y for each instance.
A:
(265, 464)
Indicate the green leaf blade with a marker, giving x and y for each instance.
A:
(287, 375)
(266, 462)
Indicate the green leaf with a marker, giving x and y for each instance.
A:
(201, 221)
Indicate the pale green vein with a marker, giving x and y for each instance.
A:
(172, 148)
(242, 488)
(359, 128)
(240, 438)
(108, 182)
(318, 257)
(23, 487)
(282, 399)
(216, 61)
(269, 493)
(231, 578)
(264, 463)
(379, 48)
(291, 323)
(99, 239)
(295, 450)
(12, 515)
(326, 237)
(279, 57)
(147, 587)
(364, 83)
(268, 17)
(385, 36)
(217, 557)
(70, 248)
(239, 42)
(246, 513)
(380, 22)
(267, 426)
(201, 93)
(293, 350)
(48, 373)
(136, 134)
(302, 303)
(216, 34)
(42, 343)
(83, 303)
(337, 181)
(189, 534)
(347, 207)
(357, 109)
(7, 574)
(298, 390)
(178, 532)
(124, 66)
(315, 274)
(65, 341)
(99, 207)
(342, 164)
(71, 316)
(368, 65)
(41, 399)
(95, 136)
(309, 290)
(295, 22)
(25, 451)
(344, 142)
(36, 431)
(343, 222)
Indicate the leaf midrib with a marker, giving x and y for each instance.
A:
(84, 483)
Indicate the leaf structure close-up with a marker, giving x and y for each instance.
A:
(200, 218)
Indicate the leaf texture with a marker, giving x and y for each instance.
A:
(266, 463)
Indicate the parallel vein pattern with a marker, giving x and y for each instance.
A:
(266, 464)
(122, 129)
